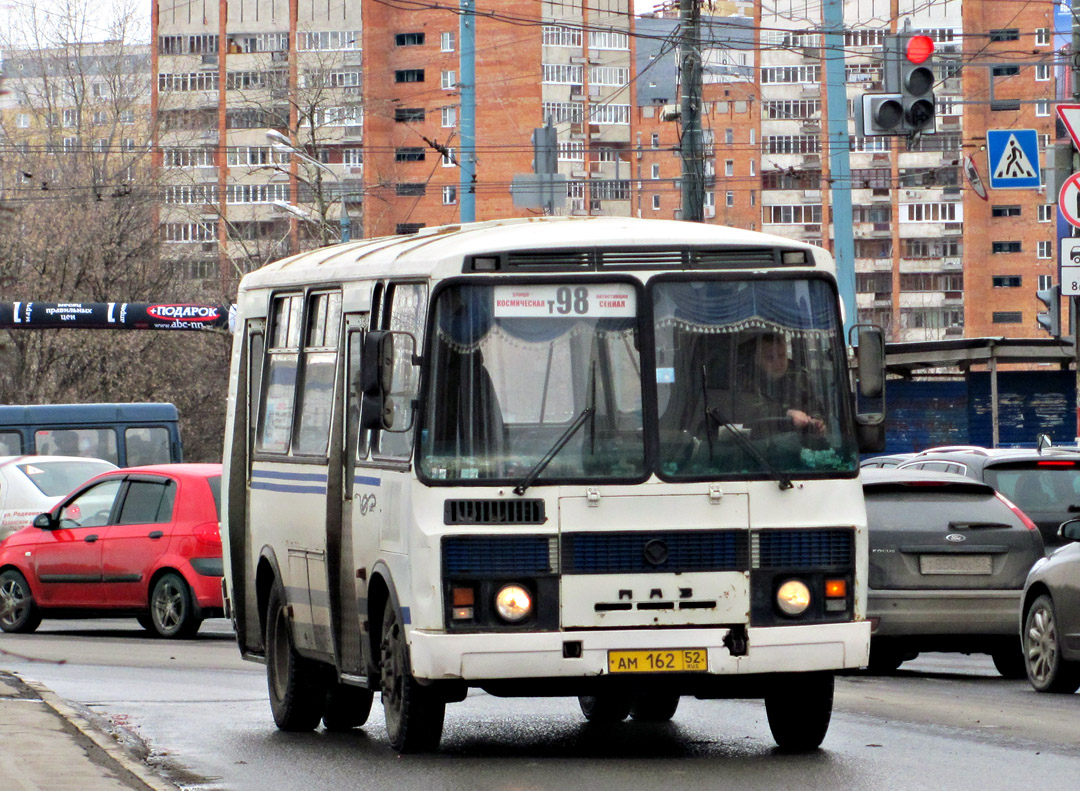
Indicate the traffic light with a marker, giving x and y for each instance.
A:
(882, 114)
(917, 82)
(1051, 320)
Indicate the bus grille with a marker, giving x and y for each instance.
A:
(803, 548)
(494, 512)
(645, 552)
(488, 555)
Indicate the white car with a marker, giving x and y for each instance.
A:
(30, 485)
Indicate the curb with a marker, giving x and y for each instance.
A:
(107, 744)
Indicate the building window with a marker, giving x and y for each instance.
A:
(1005, 211)
(1042, 72)
(405, 189)
(449, 116)
(127, 116)
(1004, 71)
(446, 41)
(729, 136)
(1045, 249)
(22, 120)
(405, 115)
(1008, 317)
(655, 202)
(1005, 34)
(655, 171)
(1046, 212)
(729, 167)
(409, 154)
(408, 227)
(328, 40)
(449, 195)
(448, 158)
(753, 196)
(409, 75)
(753, 168)
(353, 157)
(655, 140)
(729, 199)
(1045, 281)
(449, 79)
(1007, 281)
(408, 39)
(1005, 247)
(1042, 36)
(1042, 107)
(559, 36)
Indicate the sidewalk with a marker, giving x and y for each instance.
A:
(47, 745)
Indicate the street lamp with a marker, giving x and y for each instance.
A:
(280, 144)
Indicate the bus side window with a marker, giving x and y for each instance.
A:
(146, 446)
(352, 374)
(318, 365)
(10, 443)
(408, 307)
(275, 419)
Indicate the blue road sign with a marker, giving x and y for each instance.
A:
(1013, 158)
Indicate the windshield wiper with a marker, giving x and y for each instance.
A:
(781, 478)
(541, 465)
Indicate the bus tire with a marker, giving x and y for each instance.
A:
(799, 708)
(347, 707)
(655, 707)
(172, 607)
(604, 708)
(414, 713)
(20, 611)
(296, 685)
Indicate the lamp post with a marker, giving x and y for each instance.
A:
(281, 145)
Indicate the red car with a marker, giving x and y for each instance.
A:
(140, 541)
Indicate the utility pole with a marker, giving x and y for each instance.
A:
(467, 92)
(839, 159)
(693, 155)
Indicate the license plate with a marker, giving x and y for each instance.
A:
(956, 564)
(674, 660)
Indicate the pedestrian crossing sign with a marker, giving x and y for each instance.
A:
(1013, 158)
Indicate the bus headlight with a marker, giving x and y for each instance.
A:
(513, 603)
(793, 597)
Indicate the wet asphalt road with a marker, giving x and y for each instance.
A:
(200, 715)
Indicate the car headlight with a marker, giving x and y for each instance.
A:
(513, 603)
(793, 597)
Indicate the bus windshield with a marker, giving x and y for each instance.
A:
(512, 369)
(750, 381)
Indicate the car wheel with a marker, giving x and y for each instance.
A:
(885, 658)
(172, 610)
(604, 708)
(18, 610)
(799, 708)
(347, 707)
(297, 686)
(414, 715)
(1009, 661)
(657, 707)
(1047, 670)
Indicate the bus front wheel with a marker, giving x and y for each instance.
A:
(296, 685)
(799, 708)
(414, 713)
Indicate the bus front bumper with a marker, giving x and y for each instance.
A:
(780, 649)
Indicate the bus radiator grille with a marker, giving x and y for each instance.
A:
(655, 552)
(803, 548)
(494, 512)
(496, 555)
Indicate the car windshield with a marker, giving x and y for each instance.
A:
(512, 369)
(57, 478)
(1044, 486)
(751, 378)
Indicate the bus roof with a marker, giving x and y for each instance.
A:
(85, 414)
(438, 251)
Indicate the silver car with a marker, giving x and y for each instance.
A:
(1050, 616)
(948, 560)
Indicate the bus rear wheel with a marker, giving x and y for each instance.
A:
(604, 708)
(414, 713)
(654, 707)
(297, 686)
(799, 708)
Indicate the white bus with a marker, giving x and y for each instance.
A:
(544, 457)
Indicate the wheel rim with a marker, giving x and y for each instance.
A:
(12, 595)
(169, 605)
(280, 657)
(1042, 644)
(391, 670)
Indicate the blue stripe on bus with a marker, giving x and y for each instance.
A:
(285, 487)
(320, 477)
(406, 616)
(366, 480)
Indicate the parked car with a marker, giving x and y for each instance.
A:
(886, 460)
(32, 484)
(948, 560)
(141, 541)
(1044, 483)
(1050, 617)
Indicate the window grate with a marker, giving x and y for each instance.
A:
(670, 552)
(803, 548)
(494, 512)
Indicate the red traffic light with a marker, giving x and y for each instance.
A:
(919, 48)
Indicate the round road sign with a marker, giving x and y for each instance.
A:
(1069, 199)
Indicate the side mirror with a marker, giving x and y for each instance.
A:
(383, 385)
(1042, 442)
(377, 366)
(870, 357)
(870, 432)
(1070, 531)
(44, 522)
